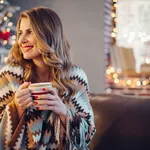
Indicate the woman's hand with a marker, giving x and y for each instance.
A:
(23, 98)
(51, 101)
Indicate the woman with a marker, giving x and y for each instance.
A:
(61, 119)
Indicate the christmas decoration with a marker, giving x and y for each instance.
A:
(4, 35)
(7, 29)
(123, 37)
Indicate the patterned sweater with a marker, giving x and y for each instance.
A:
(43, 130)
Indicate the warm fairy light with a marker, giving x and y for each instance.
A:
(9, 14)
(5, 42)
(13, 37)
(114, 1)
(1, 1)
(5, 59)
(144, 82)
(147, 61)
(5, 18)
(116, 81)
(147, 81)
(115, 19)
(113, 15)
(8, 29)
(115, 30)
(108, 71)
(115, 75)
(112, 69)
(10, 24)
(113, 34)
(13, 42)
(115, 5)
(129, 82)
(108, 90)
(138, 83)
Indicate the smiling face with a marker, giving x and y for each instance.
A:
(27, 40)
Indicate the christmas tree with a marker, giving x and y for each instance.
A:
(7, 29)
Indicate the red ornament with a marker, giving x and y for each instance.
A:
(4, 35)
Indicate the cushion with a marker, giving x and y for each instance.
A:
(122, 122)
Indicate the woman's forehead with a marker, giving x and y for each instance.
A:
(25, 24)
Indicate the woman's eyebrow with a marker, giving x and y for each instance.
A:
(25, 30)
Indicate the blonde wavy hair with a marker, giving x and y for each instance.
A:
(54, 48)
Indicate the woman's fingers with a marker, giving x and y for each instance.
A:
(38, 103)
(24, 97)
(26, 102)
(21, 92)
(28, 105)
(51, 90)
(44, 96)
(24, 85)
(52, 108)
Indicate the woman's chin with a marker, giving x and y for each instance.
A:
(27, 57)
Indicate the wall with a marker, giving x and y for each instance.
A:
(84, 26)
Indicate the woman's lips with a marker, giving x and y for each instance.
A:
(27, 48)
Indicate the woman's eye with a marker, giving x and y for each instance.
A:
(19, 33)
(29, 32)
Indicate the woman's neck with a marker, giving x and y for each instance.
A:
(42, 74)
(42, 71)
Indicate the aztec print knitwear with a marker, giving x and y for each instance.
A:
(43, 130)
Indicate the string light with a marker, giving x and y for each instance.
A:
(13, 37)
(5, 59)
(138, 83)
(112, 69)
(10, 24)
(108, 71)
(9, 14)
(1, 1)
(108, 90)
(13, 42)
(144, 82)
(5, 18)
(115, 75)
(129, 82)
(113, 15)
(115, 30)
(5, 42)
(116, 81)
(115, 20)
(115, 5)
(113, 34)
(8, 29)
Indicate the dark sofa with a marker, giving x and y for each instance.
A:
(122, 122)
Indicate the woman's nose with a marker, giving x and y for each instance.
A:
(23, 39)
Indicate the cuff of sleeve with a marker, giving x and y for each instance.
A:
(68, 120)
(13, 112)
(17, 123)
(72, 120)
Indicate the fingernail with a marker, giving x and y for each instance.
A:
(44, 89)
(36, 103)
(36, 97)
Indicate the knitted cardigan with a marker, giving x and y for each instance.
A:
(43, 130)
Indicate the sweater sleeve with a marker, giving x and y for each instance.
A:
(80, 120)
(6, 93)
(10, 125)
